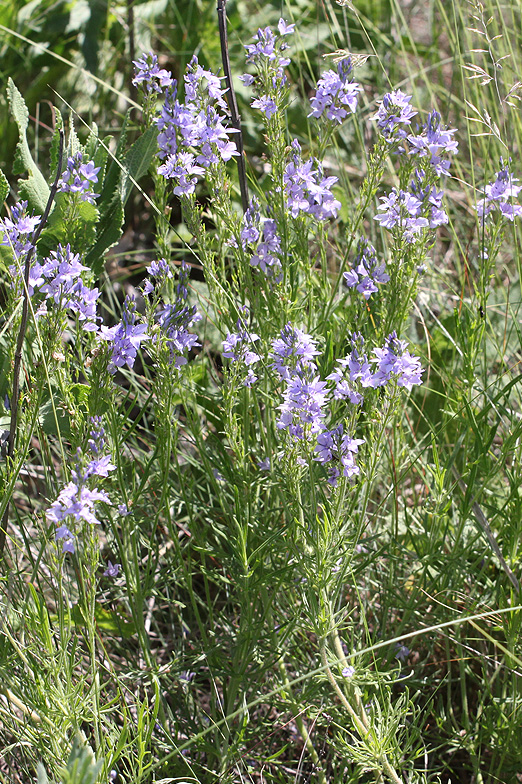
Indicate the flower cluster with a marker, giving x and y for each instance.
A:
(160, 270)
(366, 271)
(266, 52)
(237, 348)
(432, 140)
(403, 210)
(391, 361)
(149, 75)
(307, 189)
(353, 374)
(59, 278)
(337, 94)
(263, 236)
(77, 500)
(79, 178)
(305, 395)
(500, 194)
(125, 338)
(335, 445)
(394, 112)
(192, 135)
(293, 353)
(19, 229)
(174, 320)
(430, 197)
(419, 206)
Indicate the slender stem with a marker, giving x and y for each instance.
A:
(232, 103)
(357, 720)
(23, 328)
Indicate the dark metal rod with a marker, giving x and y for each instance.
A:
(232, 103)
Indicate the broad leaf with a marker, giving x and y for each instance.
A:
(34, 188)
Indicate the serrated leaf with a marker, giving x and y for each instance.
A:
(4, 186)
(122, 173)
(92, 143)
(111, 179)
(35, 188)
(138, 160)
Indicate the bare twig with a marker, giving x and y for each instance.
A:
(21, 334)
(232, 103)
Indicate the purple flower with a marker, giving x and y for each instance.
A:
(353, 374)
(125, 338)
(267, 54)
(79, 177)
(402, 210)
(123, 510)
(264, 465)
(432, 140)
(247, 79)
(266, 255)
(181, 167)
(149, 75)
(112, 570)
(394, 360)
(293, 352)
(251, 232)
(193, 135)
(18, 230)
(305, 395)
(62, 532)
(237, 348)
(431, 198)
(284, 28)
(334, 445)
(175, 319)
(302, 409)
(160, 270)
(395, 111)
(306, 188)
(402, 652)
(348, 672)
(337, 94)
(266, 104)
(366, 272)
(500, 195)
(76, 502)
(58, 277)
